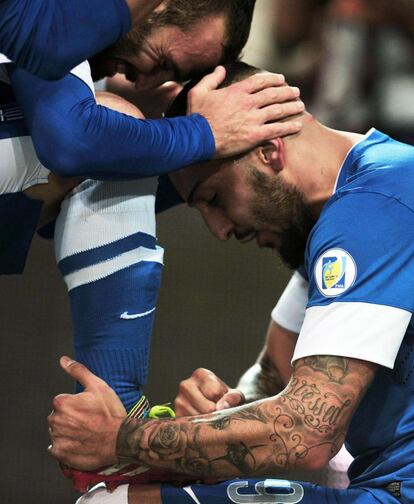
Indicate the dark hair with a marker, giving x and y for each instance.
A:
(185, 13)
(236, 71)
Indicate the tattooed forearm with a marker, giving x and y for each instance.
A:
(335, 368)
(317, 409)
(261, 380)
(301, 428)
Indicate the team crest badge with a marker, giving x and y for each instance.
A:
(335, 272)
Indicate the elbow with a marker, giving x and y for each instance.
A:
(316, 459)
(64, 163)
(62, 157)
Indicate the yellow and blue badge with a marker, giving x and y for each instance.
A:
(335, 272)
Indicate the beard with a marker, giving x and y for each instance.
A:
(129, 45)
(278, 205)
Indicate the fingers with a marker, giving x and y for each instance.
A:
(80, 373)
(233, 398)
(258, 82)
(240, 115)
(183, 407)
(270, 131)
(60, 447)
(281, 111)
(209, 384)
(210, 82)
(273, 95)
(199, 393)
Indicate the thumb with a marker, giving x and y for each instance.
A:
(231, 399)
(79, 372)
(212, 81)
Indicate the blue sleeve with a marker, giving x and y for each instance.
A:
(361, 251)
(50, 37)
(73, 136)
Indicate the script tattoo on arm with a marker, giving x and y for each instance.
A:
(300, 428)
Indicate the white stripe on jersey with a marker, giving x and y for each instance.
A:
(4, 59)
(289, 311)
(364, 331)
(20, 167)
(83, 72)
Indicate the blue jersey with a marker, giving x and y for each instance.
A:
(356, 301)
(49, 37)
(20, 170)
(360, 266)
(75, 137)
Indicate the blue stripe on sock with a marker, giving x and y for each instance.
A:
(90, 257)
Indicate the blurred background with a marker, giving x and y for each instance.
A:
(353, 62)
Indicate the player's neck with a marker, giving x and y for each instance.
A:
(314, 158)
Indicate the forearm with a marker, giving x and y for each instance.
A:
(49, 38)
(261, 380)
(266, 437)
(73, 136)
(300, 429)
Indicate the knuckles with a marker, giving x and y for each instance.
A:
(184, 385)
(59, 402)
(200, 373)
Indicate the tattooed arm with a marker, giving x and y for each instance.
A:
(272, 370)
(303, 427)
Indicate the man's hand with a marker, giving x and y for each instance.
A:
(243, 115)
(204, 393)
(83, 427)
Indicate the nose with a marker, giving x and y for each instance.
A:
(218, 224)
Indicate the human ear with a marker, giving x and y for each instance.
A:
(270, 154)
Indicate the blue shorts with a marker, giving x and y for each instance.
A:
(272, 491)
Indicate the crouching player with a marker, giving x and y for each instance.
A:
(341, 204)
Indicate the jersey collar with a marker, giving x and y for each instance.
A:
(346, 163)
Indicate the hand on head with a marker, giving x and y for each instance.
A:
(203, 393)
(242, 116)
(84, 427)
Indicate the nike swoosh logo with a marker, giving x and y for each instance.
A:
(191, 493)
(132, 316)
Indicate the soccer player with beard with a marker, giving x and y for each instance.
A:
(345, 203)
(73, 136)
(58, 127)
